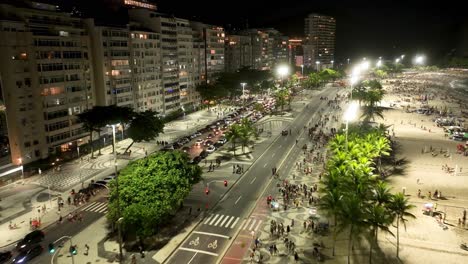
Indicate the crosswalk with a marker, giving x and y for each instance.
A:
(227, 221)
(97, 207)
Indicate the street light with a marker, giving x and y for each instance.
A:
(348, 60)
(243, 86)
(332, 63)
(302, 69)
(353, 80)
(20, 160)
(379, 63)
(350, 115)
(365, 65)
(397, 60)
(317, 63)
(282, 71)
(419, 60)
(117, 187)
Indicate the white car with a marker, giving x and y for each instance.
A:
(222, 140)
(199, 141)
(210, 149)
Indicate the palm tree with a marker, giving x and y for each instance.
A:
(382, 193)
(281, 97)
(233, 135)
(352, 216)
(400, 208)
(377, 218)
(91, 123)
(331, 204)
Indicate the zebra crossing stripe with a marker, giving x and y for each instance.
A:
(222, 223)
(214, 219)
(207, 220)
(230, 220)
(253, 223)
(101, 208)
(259, 222)
(219, 220)
(235, 222)
(89, 205)
(92, 207)
(246, 223)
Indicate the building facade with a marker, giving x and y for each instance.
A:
(238, 52)
(46, 80)
(320, 41)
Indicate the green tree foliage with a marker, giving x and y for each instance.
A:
(241, 133)
(281, 97)
(151, 190)
(380, 74)
(358, 201)
(400, 208)
(211, 92)
(145, 126)
(313, 80)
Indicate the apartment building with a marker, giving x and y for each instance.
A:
(213, 39)
(187, 58)
(45, 78)
(320, 45)
(238, 52)
(166, 27)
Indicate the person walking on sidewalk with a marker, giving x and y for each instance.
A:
(133, 259)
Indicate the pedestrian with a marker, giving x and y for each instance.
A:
(296, 256)
(86, 250)
(233, 168)
(417, 181)
(430, 196)
(133, 259)
(288, 229)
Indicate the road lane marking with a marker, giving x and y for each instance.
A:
(89, 205)
(210, 234)
(253, 180)
(225, 219)
(199, 251)
(253, 223)
(265, 165)
(230, 220)
(235, 222)
(239, 198)
(259, 222)
(219, 220)
(190, 261)
(245, 223)
(207, 220)
(214, 219)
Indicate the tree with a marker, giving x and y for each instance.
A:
(151, 190)
(259, 107)
(331, 204)
(377, 218)
(92, 123)
(233, 135)
(400, 208)
(313, 80)
(247, 130)
(380, 74)
(145, 126)
(281, 96)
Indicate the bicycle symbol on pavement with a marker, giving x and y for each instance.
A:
(195, 242)
(213, 244)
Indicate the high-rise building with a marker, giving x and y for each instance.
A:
(46, 80)
(238, 52)
(320, 40)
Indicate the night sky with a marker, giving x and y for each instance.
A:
(364, 28)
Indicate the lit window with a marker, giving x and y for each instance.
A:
(213, 52)
(115, 72)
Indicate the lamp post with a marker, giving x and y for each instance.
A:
(348, 60)
(419, 60)
(302, 70)
(317, 63)
(354, 79)
(78, 150)
(282, 71)
(20, 160)
(350, 115)
(243, 91)
(117, 190)
(332, 63)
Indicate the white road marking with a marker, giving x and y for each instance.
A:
(190, 261)
(253, 180)
(230, 220)
(225, 219)
(265, 165)
(211, 234)
(219, 220)
(273, 155)
(214, 219)
(235, 222)
(239, 198)
(89, 205)
(246, 223)
(199, 251)
(259, 222)
(207, 220)
(253, 223)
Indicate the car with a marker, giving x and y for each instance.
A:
(198, 133)
(210, 136)
(218, 145)
(210, 149)
(168, 147)
(30, 240)
(222, 140)
(196, 160)
(208, 143)
(203, 154)
(284, 132)
(177, 145)
(5, 256)
(199, 142)
(186, 149)
(29, 254)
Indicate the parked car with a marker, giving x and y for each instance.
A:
(30, 240)
(5, 256)
(284, 132)
(210, 136)
(208, 143)
(210, 149)
(222, 140)
(203, 154)
(186, 149)
(199, 142)
(29, 254)
(218, 145)
(168, 147)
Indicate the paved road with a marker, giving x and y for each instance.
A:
(91, 212)
(206, 243)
